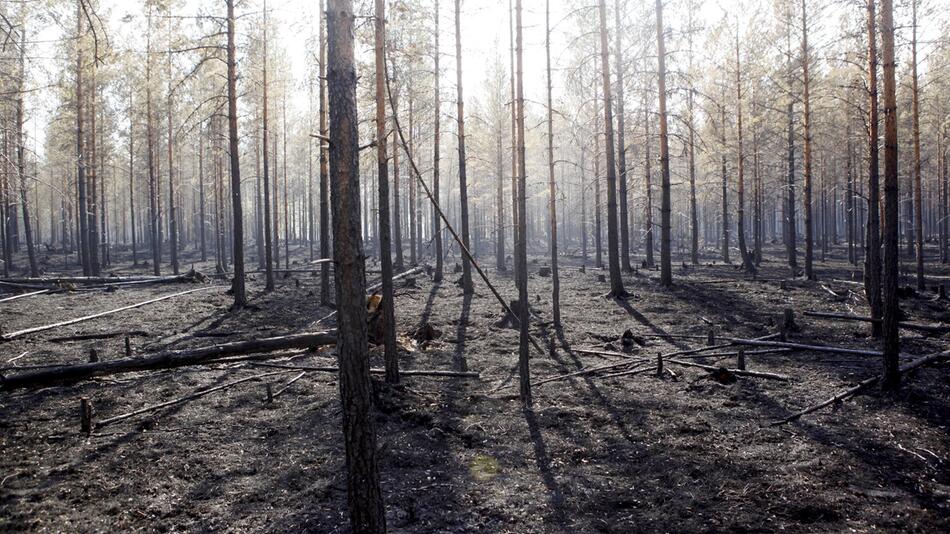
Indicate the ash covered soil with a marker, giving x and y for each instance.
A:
(595, 454)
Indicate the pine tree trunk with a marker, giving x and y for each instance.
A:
(382, 169)
(872, 258)
(666, 243)
(521, 252)
(467, 286)
(552, 186)
(155, 219)
(918, 197)
(237, 286)
(436, 160)
(621, 145)
(324, 163)
(364, 498)
(806, 154)
(747, 263)
(20, 158)
(891, 315)
(269, 243)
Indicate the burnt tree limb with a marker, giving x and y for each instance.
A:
(163, 360)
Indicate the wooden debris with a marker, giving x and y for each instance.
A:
(180, 400)
(164, 360)
(739, 372)
(850, 392)
(330, 369)
(35, 329)
(933, 328)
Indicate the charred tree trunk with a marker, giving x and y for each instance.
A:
(268, 234)
(613, 258)
(891, 315)
(20, 158)
(806, 153)
(747, 262)
(324, 162)
(621, 145)
(155, 219)
(666, 241)
(872, 258)
(382, 169)
(521, 252)
(918, 197)
(436, 224)
(552, 186)
(364, 496)
(80, 151)
(237, 286)
(467, 286)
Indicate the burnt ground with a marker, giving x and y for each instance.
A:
(594, 454)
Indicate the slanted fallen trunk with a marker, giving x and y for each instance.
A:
(932, 328)
(850, 392)
(33, 330)
(407, 372)
(799, 346)
(164, 360)
(737, 372)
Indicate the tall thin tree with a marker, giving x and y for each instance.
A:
(364, 497)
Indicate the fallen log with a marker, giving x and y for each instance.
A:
(180, 400)
(604, 353)
(590, 370)
(736, 353)
(933, 328)
(421, 372)
(737, 372)
(164, 360)
(850, 392)
(25, 295)
(33, 330)
(799, 346)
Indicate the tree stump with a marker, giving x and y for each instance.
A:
(85, 415)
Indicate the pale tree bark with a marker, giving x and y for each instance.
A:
(237, 285)
(613, 258)
(666, 243)
(891, 315)
(382, 169)
(364, 497)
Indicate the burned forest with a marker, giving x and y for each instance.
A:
(474, 266)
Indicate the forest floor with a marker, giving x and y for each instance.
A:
(594, 454)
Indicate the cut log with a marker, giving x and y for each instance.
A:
(164, 360)
(180, 400)
(13, 335)
(737, 372)
(850, 392)
(933, 328)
